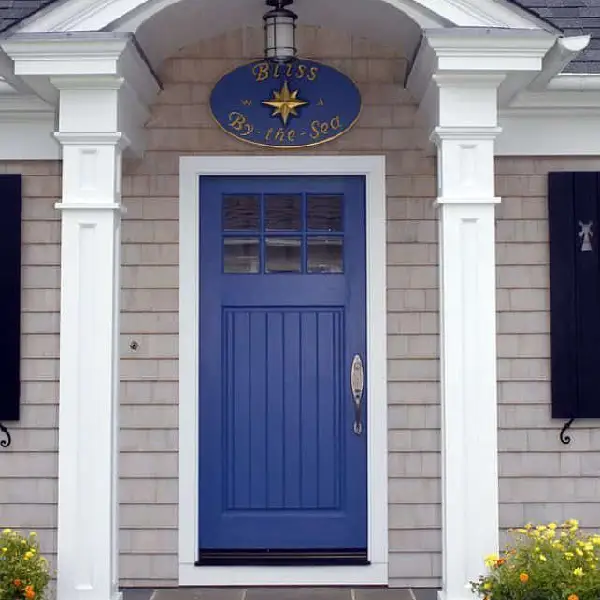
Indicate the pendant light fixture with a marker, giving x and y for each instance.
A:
(280, 31)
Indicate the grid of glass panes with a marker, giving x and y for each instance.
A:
(283, 233)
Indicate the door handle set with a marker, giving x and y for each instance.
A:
(357, 384)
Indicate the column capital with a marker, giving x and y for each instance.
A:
(99, 81)
(466, 64)
(479, 52)
(466, 201)
(75, 138)
(466, 132)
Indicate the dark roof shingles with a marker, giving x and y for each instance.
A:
(14, 11)
(573, 17)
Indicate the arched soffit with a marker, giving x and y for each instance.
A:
(164, 26)
(194, 20)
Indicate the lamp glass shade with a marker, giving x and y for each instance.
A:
(280, 35)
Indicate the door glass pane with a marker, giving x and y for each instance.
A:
(283, 255)
(241, 213)
(324, 213)
(241, 255)
(283, 212)
(325, 254)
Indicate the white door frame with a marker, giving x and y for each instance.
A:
(191, 168)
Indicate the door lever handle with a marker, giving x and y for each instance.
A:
(357, 384)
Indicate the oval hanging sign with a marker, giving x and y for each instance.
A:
(293, 105)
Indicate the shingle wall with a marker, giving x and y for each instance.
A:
(541, 478)
(181, 124)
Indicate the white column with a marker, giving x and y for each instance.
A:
(89, 330)
(103, 87)
(466, 203)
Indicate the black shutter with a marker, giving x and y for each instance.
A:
(10, 297)
(573, 210)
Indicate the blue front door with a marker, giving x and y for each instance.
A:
(282, 325)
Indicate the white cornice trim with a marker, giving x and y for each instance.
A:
(27, 125)
(557, 99)
(27, 104)
(549, 132)
(575, 82)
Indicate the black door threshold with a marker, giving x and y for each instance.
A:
(282, 557)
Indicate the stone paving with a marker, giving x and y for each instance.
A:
(275, 593)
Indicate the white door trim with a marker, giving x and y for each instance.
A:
(190, 170)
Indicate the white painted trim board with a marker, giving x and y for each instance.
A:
(373, 169)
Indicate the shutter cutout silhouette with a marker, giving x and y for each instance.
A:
(10, 297)
(573, 211)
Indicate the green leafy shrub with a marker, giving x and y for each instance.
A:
(544, 562)
(24, 572)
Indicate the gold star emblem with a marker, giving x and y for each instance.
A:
(285, 103)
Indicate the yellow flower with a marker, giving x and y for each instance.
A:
(487, 585)
(541, 528)
(552, 526)
(4, 549)
(28, 554)
(542, 558)
(23, 542)
(569, 555)
(573, 597)
(524, 577)
(579, 551)
(32, 533)
(491, 560)
(578, 572)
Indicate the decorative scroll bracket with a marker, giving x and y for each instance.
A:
(566, 439)
(6, 442)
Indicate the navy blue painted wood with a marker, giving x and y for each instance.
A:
(10, 297)
(280, 467)
(585, 193)
(574, 294)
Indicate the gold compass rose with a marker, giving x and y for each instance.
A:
(285, 103)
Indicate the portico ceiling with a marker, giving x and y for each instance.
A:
(162, 27)
(194, 20)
